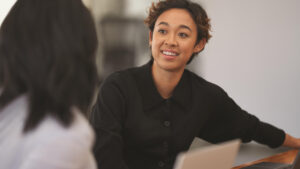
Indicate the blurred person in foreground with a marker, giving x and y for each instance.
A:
(47, 80)
(146, 115)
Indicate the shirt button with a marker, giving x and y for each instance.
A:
(167, 123)
(161, 164)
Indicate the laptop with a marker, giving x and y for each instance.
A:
(220, 156)
(272, 165)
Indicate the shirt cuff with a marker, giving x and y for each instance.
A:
(269, 135)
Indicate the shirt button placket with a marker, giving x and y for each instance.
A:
(166, 145)
(161, 164)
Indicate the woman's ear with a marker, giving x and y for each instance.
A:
(150, 38)
(200, 46)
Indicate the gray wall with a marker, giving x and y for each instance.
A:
(255, 56)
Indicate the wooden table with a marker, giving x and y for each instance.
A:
(285, 157)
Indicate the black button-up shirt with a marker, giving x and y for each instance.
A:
(137, 129)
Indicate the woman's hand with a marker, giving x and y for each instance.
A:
(291, 141)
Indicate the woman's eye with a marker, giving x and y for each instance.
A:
(183, 35)
(162, 31)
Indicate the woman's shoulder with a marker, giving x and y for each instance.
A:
(51, 130)
(54, 144)
(201, 83)
(127, 76)
(48, 129)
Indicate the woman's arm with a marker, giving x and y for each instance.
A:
(291, 141)
(228, 121)
(106, 119)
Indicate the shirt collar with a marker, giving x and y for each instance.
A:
(150, 95)
(183, 91)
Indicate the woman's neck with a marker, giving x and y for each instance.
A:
(165, 81)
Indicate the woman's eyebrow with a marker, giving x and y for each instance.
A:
(163, 23)
(185, 27)
(181, 26)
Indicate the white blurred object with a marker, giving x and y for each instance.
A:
(87, 3)
(5, 6)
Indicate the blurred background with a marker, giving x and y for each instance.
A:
(254, 54)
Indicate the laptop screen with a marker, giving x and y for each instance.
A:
(220, 156)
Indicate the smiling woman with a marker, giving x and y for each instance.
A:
(145, 116)
(173, 41)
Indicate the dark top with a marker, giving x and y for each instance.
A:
(137, 129)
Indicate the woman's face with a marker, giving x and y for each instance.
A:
(173, 40)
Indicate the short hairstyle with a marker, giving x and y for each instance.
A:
(196, 11)
(47, 51)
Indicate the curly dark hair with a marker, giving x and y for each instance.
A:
(197, 12)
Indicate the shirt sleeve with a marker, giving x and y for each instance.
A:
(228, 121)
(60, 153)
(106, 119)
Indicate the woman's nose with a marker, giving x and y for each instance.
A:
(171, 40)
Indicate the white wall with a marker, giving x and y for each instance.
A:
(254, 55)
(137, 8)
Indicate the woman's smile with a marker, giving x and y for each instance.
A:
(169, 54)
